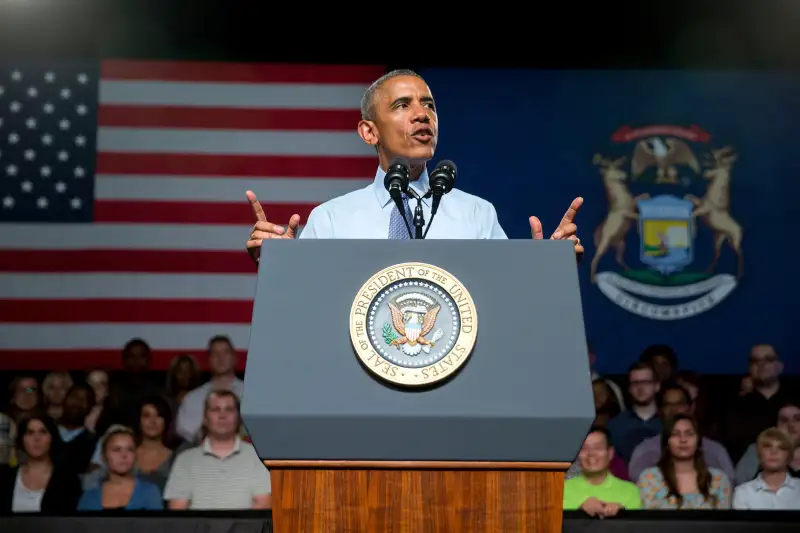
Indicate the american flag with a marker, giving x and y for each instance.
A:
(122, 205)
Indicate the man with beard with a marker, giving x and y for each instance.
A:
(79, 442)
(399, 119)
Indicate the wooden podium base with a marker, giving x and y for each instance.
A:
(416, 497)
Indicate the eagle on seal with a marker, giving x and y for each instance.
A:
(413, 322)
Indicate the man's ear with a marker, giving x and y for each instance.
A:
(368, 132)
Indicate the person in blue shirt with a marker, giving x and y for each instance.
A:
(398, 118)
(121, 489)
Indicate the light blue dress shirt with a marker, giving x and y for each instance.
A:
(365, 213)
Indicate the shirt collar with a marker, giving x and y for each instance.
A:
(420, 186)
(789, 482)
(236, 447)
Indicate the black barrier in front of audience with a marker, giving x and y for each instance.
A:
(261, 522)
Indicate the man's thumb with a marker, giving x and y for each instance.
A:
(294, 222)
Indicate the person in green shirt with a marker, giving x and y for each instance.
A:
(595, 491)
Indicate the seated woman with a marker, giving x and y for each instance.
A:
(37, 486)
(681, 479)
(153, 457)
(122, 489)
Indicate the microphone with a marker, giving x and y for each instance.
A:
(442, 180)
(396, 181)
(398, 176)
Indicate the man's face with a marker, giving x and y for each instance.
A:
(642, 386)
(595, 454)
(405, 124)
(136, 358)
(221, 358)
(764, 364)
(675, 402)
(663, 367)
(222, 417)
(76, 405)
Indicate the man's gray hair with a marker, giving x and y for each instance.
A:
(368, 100)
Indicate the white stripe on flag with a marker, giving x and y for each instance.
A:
(113, 336)
(234, 95)
(200, 189)
(128, 286)
(238, 142)
(123, 237)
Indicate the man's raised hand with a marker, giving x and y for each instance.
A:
(264, 229)
(566, 230)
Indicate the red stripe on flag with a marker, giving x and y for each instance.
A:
(141, 261)
(193, 212)
(84, 359)
(236, 165)
(199, 71)
(229, 118)
(122, 311)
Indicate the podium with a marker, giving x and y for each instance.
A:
(342, 401)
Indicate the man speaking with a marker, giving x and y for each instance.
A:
(398, 118)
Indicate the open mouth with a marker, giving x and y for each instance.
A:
(423, 135)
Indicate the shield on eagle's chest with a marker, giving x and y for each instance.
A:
(666, 233)
(412, 330)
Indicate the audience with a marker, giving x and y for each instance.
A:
(40, 484)
(122, 488)
(596, 491)
(224, 472)
(773, 487)
(183, 445)
(681, 479)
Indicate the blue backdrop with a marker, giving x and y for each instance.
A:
(528, 142)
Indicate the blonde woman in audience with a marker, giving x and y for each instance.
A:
(122, 488)
(54, 390)
(38, 485)
(682, 480)
(97, 379)
(774, 488)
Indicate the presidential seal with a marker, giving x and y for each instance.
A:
(413, 324)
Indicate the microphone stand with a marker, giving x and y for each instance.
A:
(419, 216)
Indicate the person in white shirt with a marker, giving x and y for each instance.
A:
(399, 119)
(222, 363)
(774, 488)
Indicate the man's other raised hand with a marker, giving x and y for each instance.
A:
(264, 229)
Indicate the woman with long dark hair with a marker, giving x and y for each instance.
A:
(682, 479)
(38, 485)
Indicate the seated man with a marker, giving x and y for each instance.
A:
(224, 472)
(596, 491)
(773, 488)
